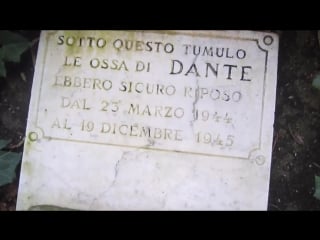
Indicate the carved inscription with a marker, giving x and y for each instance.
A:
(154, 90)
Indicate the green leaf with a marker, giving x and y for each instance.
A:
(3, 143)
(316, 81)
(8, 163)
(317, 187)
(12, 52)
(8, 37)
(12, 46)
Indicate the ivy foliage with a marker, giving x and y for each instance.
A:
(12, 45)
(8, 163)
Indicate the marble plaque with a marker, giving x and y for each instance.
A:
(150, 120)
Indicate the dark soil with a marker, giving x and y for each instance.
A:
(295, 160)
(296, 148)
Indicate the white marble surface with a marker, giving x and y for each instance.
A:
(139, 121)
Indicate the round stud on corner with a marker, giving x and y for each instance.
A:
(33, 136)
(268, 40)
(260, 160)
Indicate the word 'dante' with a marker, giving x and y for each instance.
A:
(142, 120)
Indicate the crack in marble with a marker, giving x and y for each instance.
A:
(116, 171)
(164, 201)
(196, 98)
(151, 142)
(194, 103)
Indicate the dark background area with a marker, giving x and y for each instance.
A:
(296, 148)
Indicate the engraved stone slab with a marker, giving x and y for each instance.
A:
(142, 120)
